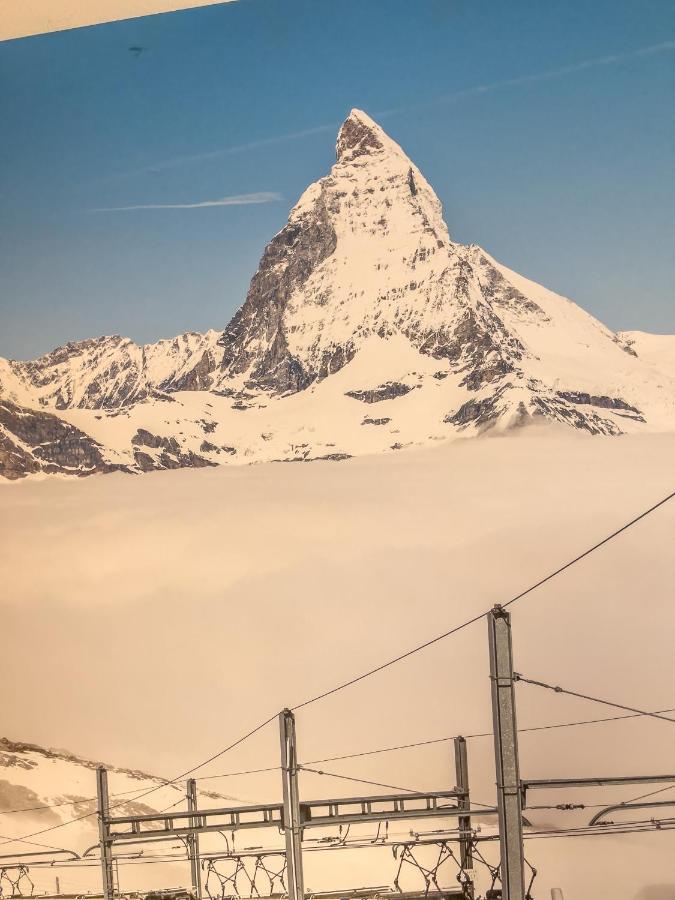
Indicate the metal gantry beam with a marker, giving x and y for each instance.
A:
(554, 783)
(387, 807)
(506, 755)
(601, 781)
(231, 818)
(312, 814)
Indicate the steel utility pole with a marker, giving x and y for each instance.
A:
(104, 841)
(291, 810)
(193, 840)
(462, 784)
(507, 768)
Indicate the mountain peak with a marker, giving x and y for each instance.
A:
(362, 298)
(360, 135)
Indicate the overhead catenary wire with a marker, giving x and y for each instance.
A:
(482, 734)
(243, 772)
(7, 812)
(477, 618)
(560, 690)
(662, 790)
(36, 844)
(379, 668)
(638, 827)
(393, 787)
(24, 838)
(573, 807)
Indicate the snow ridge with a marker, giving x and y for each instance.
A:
(361, 298)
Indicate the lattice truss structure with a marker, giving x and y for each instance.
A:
(494, 892)
(15, 881)
(407, 854)
(245, 875)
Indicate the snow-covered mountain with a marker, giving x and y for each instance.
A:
(365, 329)
(53, 792)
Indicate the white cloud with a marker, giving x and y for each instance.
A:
(236, 200)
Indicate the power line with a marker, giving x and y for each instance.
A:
(670, 787)
(571, 807)
(391, 662)
(24, 838)
(442, 740)
(380, 784)
(313, 762)
(7, 812)
(244, 772)
(476, 618)
(630, 828)
(393, 787)
(635, 715)
(559, 690)
(362, 753)
(35, 844)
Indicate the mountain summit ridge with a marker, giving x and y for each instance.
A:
(361, 298)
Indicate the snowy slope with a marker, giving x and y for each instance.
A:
(107, 372)
(55, 791)
(656, 349)
(366, 329)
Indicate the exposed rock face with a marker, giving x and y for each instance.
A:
(112, 372)
(387, 391)
(510, 403)
(616, 403)
(34, 441)
(171, 457)
(45, 787)
(366, 252)
(362, 296)
(254, 342)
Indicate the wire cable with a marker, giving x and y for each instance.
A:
(560, 690)
(7, 812)
(482, 734)
(391, 662)
(24, 838)
(669, 787)
(394, 787)
(474, 619)
(244, 772)
(36, 844)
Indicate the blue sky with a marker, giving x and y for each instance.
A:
(545, 128)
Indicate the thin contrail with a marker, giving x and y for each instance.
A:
(230, 151)
(476, 90)
(598, 61)
(239, 200)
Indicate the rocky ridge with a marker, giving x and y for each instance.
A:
(362, 297)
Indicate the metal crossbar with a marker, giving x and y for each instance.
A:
(313, 814)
